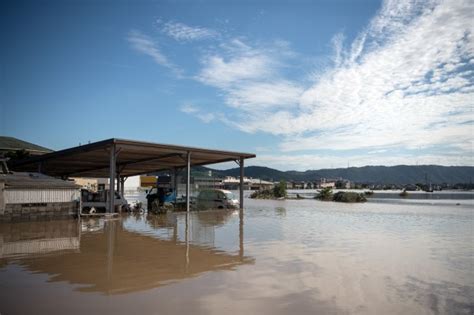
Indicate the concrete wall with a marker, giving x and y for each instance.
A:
(39, 211)
(26, 196)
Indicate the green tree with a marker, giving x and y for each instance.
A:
(348, 196)
(325, 194)
(279, 191)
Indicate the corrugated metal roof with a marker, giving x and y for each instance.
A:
(133, 158)
(14, 144)
(35, 181)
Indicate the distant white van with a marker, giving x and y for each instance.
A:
(216, 199)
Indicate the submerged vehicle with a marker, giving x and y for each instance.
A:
(216, 199)
(162, 196)
(97, 202)
(157, 198)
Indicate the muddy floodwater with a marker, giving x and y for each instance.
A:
(275, 257)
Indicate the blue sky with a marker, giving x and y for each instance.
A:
(303, 84)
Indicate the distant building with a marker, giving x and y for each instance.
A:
(202, 182)
(343, 184)
(258, 184)
(299, 185)
(411, 187)
(102, 184)
(232, 183)
(92, 184)
(324, 183)
(86, 183)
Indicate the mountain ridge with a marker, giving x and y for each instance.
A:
(379, 174)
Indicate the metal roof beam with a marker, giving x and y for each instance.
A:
(124, 164)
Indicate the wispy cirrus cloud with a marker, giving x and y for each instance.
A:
(185, 33)
(189, 109)
(192, 109)
(148, 46)
(144, 44)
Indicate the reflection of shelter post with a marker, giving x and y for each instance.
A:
(241, 234)
(188, 180)
(186, 236)
(241, 186)
(175, 229)
(110, 230)
(112, 180)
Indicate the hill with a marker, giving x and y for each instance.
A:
(400, 174)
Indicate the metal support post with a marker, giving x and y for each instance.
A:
(122, 184)
(175, 181)
(118, 182)
(111, 200)
(241, 186)
(188, 181)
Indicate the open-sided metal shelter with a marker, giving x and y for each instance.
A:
(118, 159)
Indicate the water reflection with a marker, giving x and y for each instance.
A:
(439, 297)
(280, 211)
(38, 238)
(277, 257)
(104, 256)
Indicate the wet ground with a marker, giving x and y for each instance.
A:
(276, 257)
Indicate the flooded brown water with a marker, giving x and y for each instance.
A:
(276, 257)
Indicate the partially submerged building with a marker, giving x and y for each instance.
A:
(29, 196)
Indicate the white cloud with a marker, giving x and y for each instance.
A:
(264, 95)
(207, 117)
(147, 46)
(397, 86)
(185, 33)
(249, 77)
(338, 42)
(189, 109)
(405, 82)
(237, 63)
